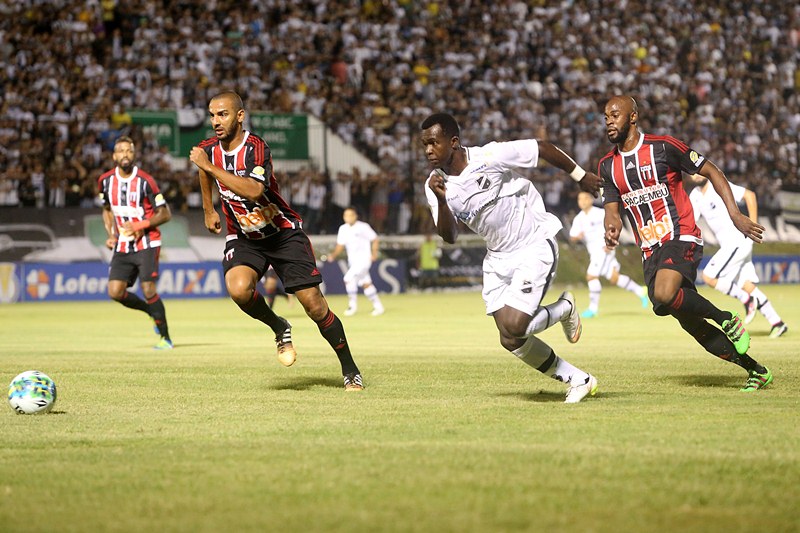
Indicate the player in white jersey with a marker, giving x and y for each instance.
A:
(361, 243)
(731, 270)
(588, 227)
(480, 187)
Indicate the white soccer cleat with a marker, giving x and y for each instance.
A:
(572, 322)
(350, 311)
(578, 392)
(378, 311)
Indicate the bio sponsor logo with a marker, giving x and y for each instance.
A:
(654, 231)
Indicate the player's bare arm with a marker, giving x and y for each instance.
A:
(161, 215)
(752, 230)
(111, 228)
(613, 224)
(588, 181)
(212, 220)
(335, 253)
(446, 224)
(243, 186)
(376, 243)
(751, 201)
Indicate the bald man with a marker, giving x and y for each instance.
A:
(644, 173)
(262, 231)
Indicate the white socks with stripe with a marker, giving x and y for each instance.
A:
(726, 287)
(765, 307)
(625, 282)
(595, 287)
(548, 315)
(372, 294)
(535, 353)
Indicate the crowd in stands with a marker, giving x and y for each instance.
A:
(722, 75)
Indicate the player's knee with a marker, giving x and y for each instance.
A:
(315, 307)
(116, 293)
(663, 296)
(240, 292)
(517, 329)
(509, 342)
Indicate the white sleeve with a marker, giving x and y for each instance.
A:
(738, 192)
(696, 197)
(575, 229)
(517, 154)
(340, 237)
(369, 233)
(433, 202)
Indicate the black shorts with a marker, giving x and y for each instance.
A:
(289, 253)
(128, 266)
(682, 257)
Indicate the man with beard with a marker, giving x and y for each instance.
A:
(133, 209)
(262, 231)
(644, 173)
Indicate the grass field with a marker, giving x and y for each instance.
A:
(451, 434)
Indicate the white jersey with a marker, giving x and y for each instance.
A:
(709, 205)
(591, 225)
(496, 202)
(357, 240)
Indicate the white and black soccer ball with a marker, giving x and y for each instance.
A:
(32, 392)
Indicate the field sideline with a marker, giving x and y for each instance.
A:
(451, 434)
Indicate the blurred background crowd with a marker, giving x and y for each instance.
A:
(721, 75)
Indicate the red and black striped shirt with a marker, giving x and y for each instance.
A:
(131, 199)
(252, 220)
(648, 182)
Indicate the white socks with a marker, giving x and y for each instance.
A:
(537, 354)
(548, 315)
(765, 307)
(595, 287)
(372, 294)
(625, 282)
(726, 287)
(352, 295)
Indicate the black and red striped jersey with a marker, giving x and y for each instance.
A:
(253, 220)
(648, 182)
(131, 199)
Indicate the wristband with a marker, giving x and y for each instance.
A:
(142, 224)
(577, 173)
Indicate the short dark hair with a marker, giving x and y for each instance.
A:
(233, 95)
(447, 122)
(124, 139)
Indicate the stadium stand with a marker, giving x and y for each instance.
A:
(723, 76)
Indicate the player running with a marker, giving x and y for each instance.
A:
(731, 270)
(262, 230)
(478, 185)
(643, 173)
(133, 209)
(587, 227)
(361, 243)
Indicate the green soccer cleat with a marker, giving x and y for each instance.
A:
(589, 314)
(734, 330)
(163, 344)
(645, 301)
(756, 381)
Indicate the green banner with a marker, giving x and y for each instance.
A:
(286, 134)
(162, 125)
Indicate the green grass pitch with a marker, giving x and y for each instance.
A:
(451, 434)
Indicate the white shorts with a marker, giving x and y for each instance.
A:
(733, 263)
(519, 279)
(602, 264)
(358, 274)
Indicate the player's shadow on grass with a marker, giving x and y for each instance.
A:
(708, 381)
(544, 396)
(306, 383)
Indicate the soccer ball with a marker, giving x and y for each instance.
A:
(32, 392)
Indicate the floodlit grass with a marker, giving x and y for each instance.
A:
(452, 433)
